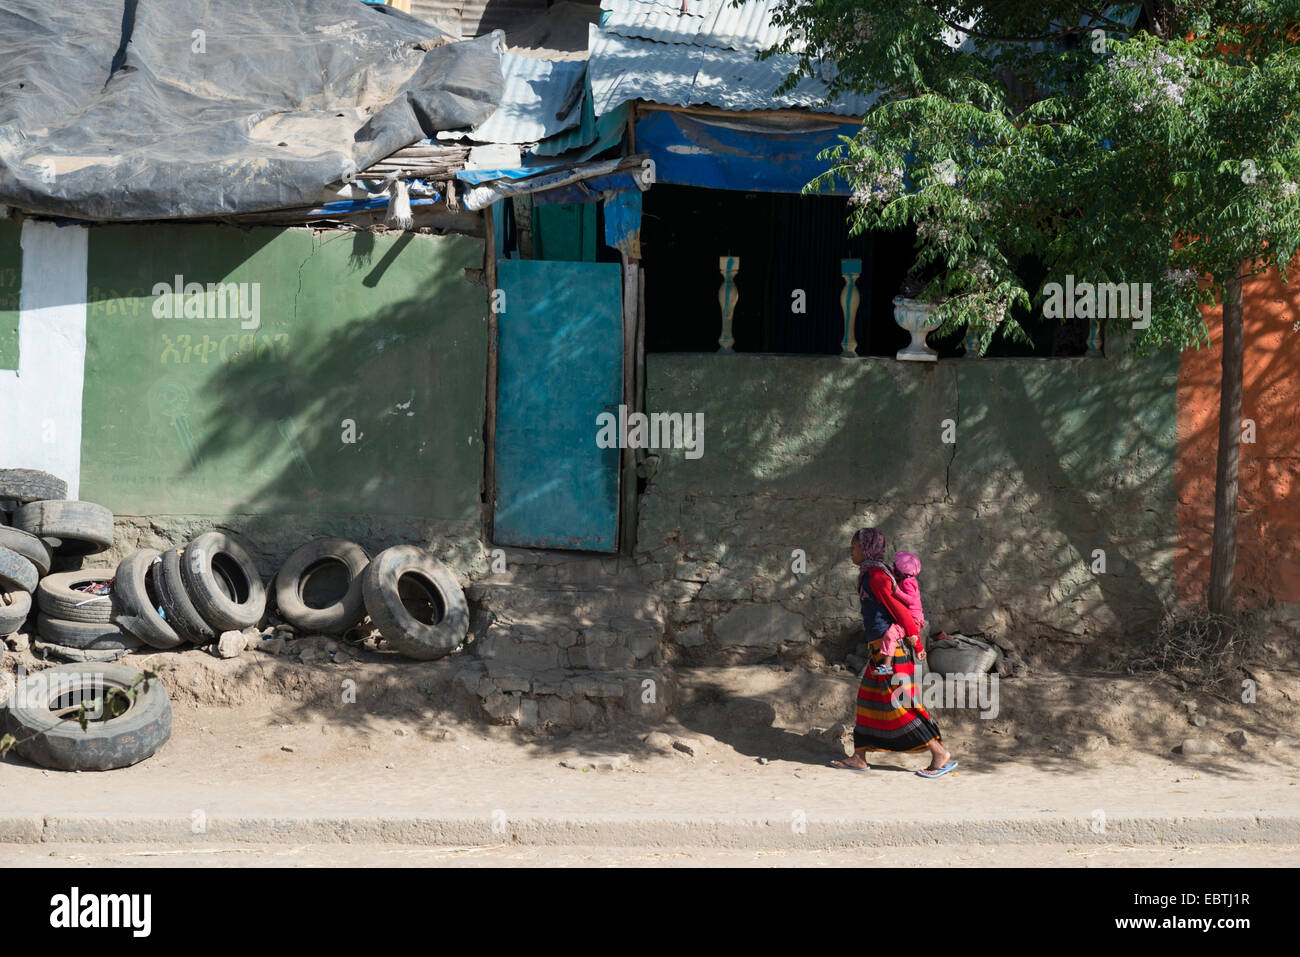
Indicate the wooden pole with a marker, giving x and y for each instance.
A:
(627, 479)
(490, 412)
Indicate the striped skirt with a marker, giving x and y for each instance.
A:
(888, 718)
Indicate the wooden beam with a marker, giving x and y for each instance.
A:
(627, 471)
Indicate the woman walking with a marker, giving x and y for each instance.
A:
(889, 717)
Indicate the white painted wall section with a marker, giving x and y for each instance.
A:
(40, 403)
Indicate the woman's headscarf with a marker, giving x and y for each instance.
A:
(872, 543)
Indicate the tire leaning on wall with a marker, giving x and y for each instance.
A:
(134, 609)
(213, 555)
(16, 571)
(45, 739)
(31, 485)
(176, 604)
(29, 546)
(72, 527)
(382, 586)
(297, 570)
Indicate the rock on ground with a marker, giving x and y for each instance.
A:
(690, 746)
(231, 644)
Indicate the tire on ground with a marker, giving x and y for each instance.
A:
(100, 635)
(15, 606)
(74, 528)
(222, 582)
(113, 742)
(48, 650)
(16, 571)
(291, 582)
(29, 546)
(58, 597)
(176, 604)
(415, 602)
(135, 609)
(31, 485)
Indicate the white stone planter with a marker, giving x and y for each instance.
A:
(916, 318)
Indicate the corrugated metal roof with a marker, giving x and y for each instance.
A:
(625, 68)
(747, 27)
(714, 23)
(660, 20)
(541, 98)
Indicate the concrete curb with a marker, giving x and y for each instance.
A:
(615, 830)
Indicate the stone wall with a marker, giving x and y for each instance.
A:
(1050, 461)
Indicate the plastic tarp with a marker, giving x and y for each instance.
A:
(721, 153)
(166, 109)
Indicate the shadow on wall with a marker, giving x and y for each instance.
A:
(380, 415)
(354, 408)
(1050, 462)
(1268, 533)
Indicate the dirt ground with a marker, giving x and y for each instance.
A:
(1064, 715)
(261, 735)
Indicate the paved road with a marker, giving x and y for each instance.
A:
(388, 855)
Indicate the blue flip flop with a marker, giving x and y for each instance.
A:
(937, 772)
(845, 767)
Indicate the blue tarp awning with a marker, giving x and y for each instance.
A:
(743, 154)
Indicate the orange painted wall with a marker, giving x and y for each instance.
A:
(1268, 536)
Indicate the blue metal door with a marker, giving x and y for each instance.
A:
(560, 365)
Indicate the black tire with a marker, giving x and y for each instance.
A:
(29, 546)
(49, 650)
(57, 597)
(180, 611)
(44, 739)
(433, 592)
(15, 606)
(29, 485)
(136, 611)
(16, 572)
(222, 582)
(291, 583)
(96, 635)
(73, 528)
(84, 635)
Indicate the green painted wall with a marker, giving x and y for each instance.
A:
(11, 275)
(204, 417)
(1052, 459)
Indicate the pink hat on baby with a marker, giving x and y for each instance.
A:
(907, 563)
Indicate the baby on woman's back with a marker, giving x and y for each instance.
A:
(908, 590)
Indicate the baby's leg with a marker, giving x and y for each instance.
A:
(890, 641)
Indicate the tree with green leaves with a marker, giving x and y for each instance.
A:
(1156, 145)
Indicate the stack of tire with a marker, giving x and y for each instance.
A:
(46, 526)
(412, 598)
(189, 594)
